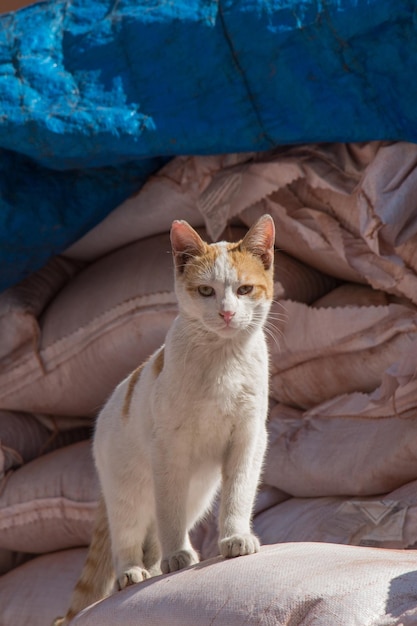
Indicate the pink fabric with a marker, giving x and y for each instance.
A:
(21, 305)
(107, 320)
(386, 521)
(358, 224)
(170, 194)
(50, 503)
(336, 168)
(37, 592)
(313, 454)
(310, 583)
(330, 585)
(24, 437)
(326, 352)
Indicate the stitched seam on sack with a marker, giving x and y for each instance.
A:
(62, 356)
(17, 515)
(148, 299)
(343, 349)
(106, 320)
(59, 354)
(386, 328)
(10, 388)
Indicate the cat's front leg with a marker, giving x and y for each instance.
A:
(241, 471)
(171, 479)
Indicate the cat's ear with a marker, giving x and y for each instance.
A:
(259, 240)
(186, 243)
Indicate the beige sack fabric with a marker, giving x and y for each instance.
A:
(385, 521)
(38, 591)
(329, 453)
(326, 352)
(170, 194)
(308, 583)
(24, 437)
(105, 322)
(50, 503)
(336, 168)
(21, 305)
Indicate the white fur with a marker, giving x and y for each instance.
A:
(198, 424)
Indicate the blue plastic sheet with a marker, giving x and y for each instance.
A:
(93, 94)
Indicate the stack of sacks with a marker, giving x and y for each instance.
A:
(74, 330)
(343, 377)
(341, 460)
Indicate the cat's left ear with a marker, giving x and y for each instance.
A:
(186, 243)
(259, 240)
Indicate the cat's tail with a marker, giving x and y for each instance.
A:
(97, 576)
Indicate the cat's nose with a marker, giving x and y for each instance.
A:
(227, 316)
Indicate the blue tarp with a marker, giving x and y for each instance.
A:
(96, 95)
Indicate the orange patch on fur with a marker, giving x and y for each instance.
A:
(200, 268)
(249, 268)
(251, 271)
(134, 377)
(158, 363)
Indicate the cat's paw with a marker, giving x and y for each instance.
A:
(239, 545)
(179, 560)
(132, 576)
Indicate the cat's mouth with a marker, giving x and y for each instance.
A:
(229, 329)
(226, 329)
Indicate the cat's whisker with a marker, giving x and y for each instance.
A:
(274, 312)
(273, 336)
(279, 303)
(278, 317)
(272, 330)
(276, 343)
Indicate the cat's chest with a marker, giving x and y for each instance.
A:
(217, 378)
(217, 395)
(217, 385)
(202, 412)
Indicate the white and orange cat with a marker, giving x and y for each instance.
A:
(191, 419)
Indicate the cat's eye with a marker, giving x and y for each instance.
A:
(206, 291)
(243, 290)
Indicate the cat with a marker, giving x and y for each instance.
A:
(190, 419)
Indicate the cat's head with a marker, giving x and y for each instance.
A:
(228, 287)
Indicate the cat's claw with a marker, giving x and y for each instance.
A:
(179, 560)
(239, 545)
(132, 576)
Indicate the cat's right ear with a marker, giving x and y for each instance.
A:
(259, 240)
(185, 242)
